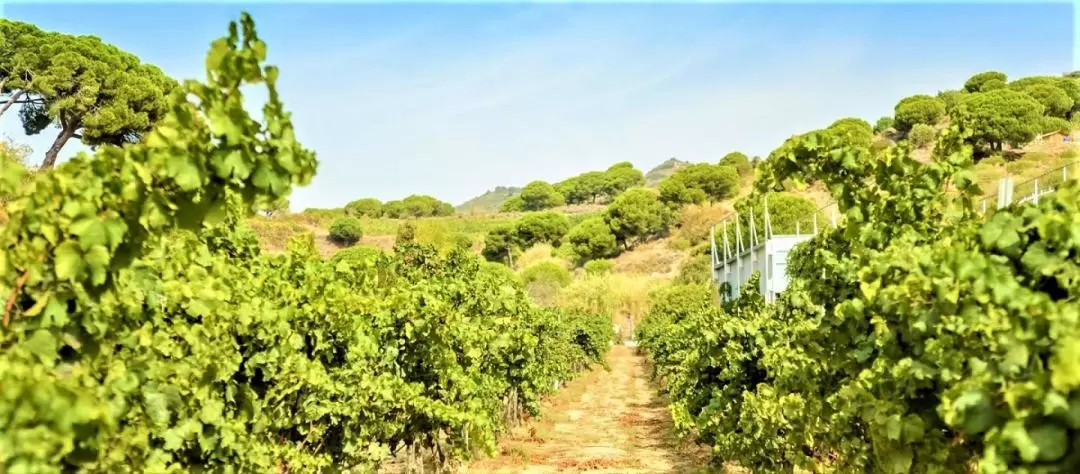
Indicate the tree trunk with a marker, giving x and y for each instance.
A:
(50, 156)
(11, 100)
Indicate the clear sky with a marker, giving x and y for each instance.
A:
(451, 100)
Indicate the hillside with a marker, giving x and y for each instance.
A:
(488, 202)
(662, 171)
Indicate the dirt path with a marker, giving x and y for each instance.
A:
(603, 422)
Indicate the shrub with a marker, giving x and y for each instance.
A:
(922, 135)
(346, 230)
(462, 241)
(598, 267)
(739, 161)
(975, 83)
(541, 227)
(592, 239)
(544, 280)
(882, 124)
(880, 144)
(406, 232)
(695, 270)
(855, 131)
(356, 255)
(918, 109)
(512, 204)
(367, 207)
(500, 242)
(637, 214)
(539, 195)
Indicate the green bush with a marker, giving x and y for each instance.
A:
(695, 270)
(406, 232)
(592, 239)
(638, 214)
(976, 83)
(544, 280)
(922, 135)
(512, 204)
(880, 144)
(599, 267)
(356, 255)
(367, 207)
(855, 131)
(919, 108)
(739, 161)
(346, 230)
(883, 124)
(539, 195)
(541, 227)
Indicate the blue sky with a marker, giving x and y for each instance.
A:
(451, 100)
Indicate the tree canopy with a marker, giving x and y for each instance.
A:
(88, 89)
(635, 214)
(739, 161)
(366, 207)
(540, 195)
(699, 182)
(977, 83)
(417, 205)
(918, 108)
(1002, 116)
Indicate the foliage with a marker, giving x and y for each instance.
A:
(146, 333)
(583, 188)
(636, 215)
(541, 227)
(405, 233)
(620, 177)
(789, 213)
(539, 195)
(598, 267)
(501, 243)
(695, 270)
(1047, 124)
(918, 337)
(739, 161)
(529, 230)
(976, 83)
(417, 206)
(919, 108)
(1055, 101)
(952, 99)
(689, 183)
(675, 193)
(922, 135)
(883, 124)
(592, 239)
(998, 117)
(366, 207)
(544, 280)
(85, 87)
(513, 204)
(357, 255)
(857, 131)
(346, 230)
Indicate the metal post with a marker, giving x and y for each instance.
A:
(509, 257)
(832, 216)
(1036, 190)
(815, 222)
(797, 232)
(768, 221)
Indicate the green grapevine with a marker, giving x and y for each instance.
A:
(144, 331)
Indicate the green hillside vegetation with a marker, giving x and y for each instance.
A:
(654, 176)
(165, 312)
(489, 202)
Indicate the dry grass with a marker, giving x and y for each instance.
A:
(540, 253)
(652, 258)
(614, 295)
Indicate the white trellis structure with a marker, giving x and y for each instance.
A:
(735, 256)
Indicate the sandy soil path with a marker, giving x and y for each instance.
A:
(603, 422)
